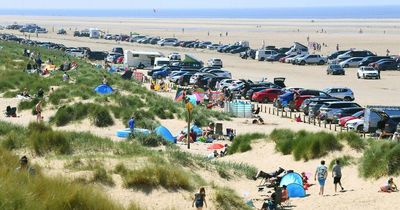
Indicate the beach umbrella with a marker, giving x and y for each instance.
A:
(215, 146)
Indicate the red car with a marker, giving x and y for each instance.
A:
(357, 115)
(267, 95)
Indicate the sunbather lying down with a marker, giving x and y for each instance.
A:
(265, 175)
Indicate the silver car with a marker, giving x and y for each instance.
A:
(340, 92)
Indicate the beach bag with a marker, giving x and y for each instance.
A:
(322, 170)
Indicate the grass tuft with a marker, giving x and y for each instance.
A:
(226, 198)
(242, 143)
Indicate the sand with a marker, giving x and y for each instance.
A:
(378, 36)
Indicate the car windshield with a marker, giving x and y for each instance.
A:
(358, 114)
(335, 66)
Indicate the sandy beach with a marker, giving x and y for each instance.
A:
(378, 36)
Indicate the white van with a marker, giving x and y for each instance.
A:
(262, 54)
(140, 59)
(161, 61)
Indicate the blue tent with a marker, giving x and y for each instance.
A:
(165, 133)
(192, 99)
(294, 185)
(290, 178)
(103, 89)
(295, 190)
(126, 132)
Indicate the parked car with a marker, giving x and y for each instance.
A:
(357, 115)
(262, 54)
(275, 57)
(356, 124)
(239, 50)
(314, 105)
(185, 78)
(355, 53)
(340, 92)
(163, 73)
(311, 59)
(213, 46)
(335, 69)
(386, 65)
(221, 73)
(333, 111)
(119, 50)
(215, 62)
(334, 55)
(294, 58)
(370, 59)
(203, 45)
(351, 62)
(62, 31)
(97, 55)
(367, 72)
(112, 57)
(294, 99)
(250, 53)
(267, 95)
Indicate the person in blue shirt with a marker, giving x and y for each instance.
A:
(131, 124)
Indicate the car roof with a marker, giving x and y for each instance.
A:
(341, 102)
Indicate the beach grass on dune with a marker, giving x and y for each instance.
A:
(40, 192)
(344, 160)
(242, 143)
(380, 159)
(305, 145)
(353, 140)
(226, 198)
(153, 176)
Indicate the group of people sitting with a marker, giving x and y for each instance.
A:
(159, 85)
(206, 136)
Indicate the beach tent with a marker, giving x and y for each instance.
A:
(294, 185)
(286, 98)
(295, 190)
(103, 89)
(165, 133)
(126, 132)
(193, 99)
(291, 178)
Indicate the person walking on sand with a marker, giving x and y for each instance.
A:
(337, 175)
(322, 174)
(38, 109)
(337, 47)
(200, 199)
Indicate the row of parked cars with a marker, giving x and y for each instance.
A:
(27, 28)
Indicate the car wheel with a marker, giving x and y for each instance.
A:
(158, 76)
(346, 66)
(343, 73)
(302, 63)
(379, 77)
(358, 76)
(347, 98)
(327, 72)
(360, 128)
(321, 62)
(266, 100)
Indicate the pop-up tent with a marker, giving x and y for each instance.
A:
(165, 133)
(294, 185)
(103, 89)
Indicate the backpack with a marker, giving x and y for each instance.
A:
(199, 199)
(322, 170)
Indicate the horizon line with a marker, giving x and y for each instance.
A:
(203, 8)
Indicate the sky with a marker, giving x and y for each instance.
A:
(182, 4)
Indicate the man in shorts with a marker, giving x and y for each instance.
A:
(337, 175)
(322, 174)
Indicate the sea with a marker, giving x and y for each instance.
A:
(353, 12)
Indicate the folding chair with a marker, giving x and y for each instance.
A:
(219, 131)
